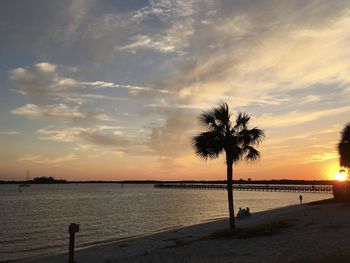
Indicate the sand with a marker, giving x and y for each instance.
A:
(301, 233)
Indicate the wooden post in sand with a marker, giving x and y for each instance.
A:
(73, 228)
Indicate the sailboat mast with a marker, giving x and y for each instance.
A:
(28, 176)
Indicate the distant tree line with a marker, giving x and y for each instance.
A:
(47, 180)
(240, 181)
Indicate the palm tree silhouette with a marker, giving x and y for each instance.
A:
(344, 147)
(237, 141)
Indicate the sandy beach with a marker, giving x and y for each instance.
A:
(315, 232)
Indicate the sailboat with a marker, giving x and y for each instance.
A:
(26, 183)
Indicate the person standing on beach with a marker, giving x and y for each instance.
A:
(301, 199)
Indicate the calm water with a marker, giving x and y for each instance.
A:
(35, 221)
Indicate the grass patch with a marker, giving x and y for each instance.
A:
(323, 202)
(170, 239)
(239, 233)
(258, 231)
(334, 227)
(339, 258)
(123, 245)
(311, 223)
(181, 243)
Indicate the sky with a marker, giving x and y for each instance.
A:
(112, 89)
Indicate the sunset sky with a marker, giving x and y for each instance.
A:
(112, 90)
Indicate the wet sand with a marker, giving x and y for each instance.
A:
(316, 232)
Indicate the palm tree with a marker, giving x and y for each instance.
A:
(344, 147)
(220, 135)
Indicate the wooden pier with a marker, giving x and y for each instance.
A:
(321, 189)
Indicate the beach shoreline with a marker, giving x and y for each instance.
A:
(308, 231)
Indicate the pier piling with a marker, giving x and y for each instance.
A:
(73, 228)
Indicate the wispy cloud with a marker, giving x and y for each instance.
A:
(321, 157)
(109, 136)
(172, 138)
(44, 160)
(142, 41)
(101, 140)
(9, 132)
(59, 111)
(44, 79)
(44, 82)
(264, 57)
(297, 117)
(131, 88)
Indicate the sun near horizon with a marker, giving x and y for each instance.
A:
(341, 175)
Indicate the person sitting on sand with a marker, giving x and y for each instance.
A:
(247, 211)
(243, 213)
(240, 213)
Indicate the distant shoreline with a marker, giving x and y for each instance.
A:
(282, 181)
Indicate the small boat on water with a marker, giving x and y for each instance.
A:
(27, 181)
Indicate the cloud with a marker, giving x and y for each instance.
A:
(321, 157)
(142, 41)
(9, 132)
(214, 50)
(44, 160)
(302, 136)
(40, 80)
(101, 140)
(105, 85)
(249, 55)
(46, 86)
(114, 140)
(297, 117)
(78, 12)
(172, 139)
(59, 111)
(44, 82)
(171, 35)
(110, 136)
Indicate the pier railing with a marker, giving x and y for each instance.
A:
(324, 189)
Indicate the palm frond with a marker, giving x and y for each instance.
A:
(345, 134)
(237, 141)
(237, 153)
(207, 120)
(344, 147)
(242, 120)
(222, 115)
(252, 154)
(251, 137)
(344, 154)
(207, 145)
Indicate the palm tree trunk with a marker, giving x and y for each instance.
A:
(230, 194)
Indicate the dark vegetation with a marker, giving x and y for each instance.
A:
(38, 180)
(335, 257)
(262, 230)
(47, 180)
(344, 147)
(257, 231)
(323, 202)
